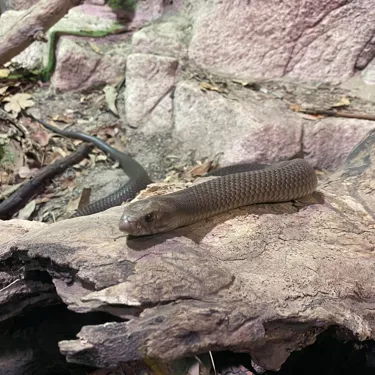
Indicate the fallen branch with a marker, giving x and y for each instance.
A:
(38, 19)
(22, 196)
(333, 113)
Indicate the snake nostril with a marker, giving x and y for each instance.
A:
(126, 225)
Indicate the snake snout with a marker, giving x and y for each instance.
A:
(128, 225)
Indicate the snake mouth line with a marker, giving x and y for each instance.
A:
(128, 225)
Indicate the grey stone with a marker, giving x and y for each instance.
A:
(6, 5)
(147, 11)
(168, 37)
(149, 83)
(318, 40)
(80, 68)
(327, 143)
(368, 74)
(243, 130)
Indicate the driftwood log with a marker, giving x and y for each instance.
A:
(265, 279)
(37, 19)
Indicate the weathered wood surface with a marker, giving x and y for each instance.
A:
(265, 279)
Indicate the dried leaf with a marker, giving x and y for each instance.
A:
(108, 130)
(50, 158)
(119, 144)
(243, 83)
(84, 199)
(62, 118)
(101, 157)
(60, 151)
(201, 169)
(4, 176)
(13, 156)
(46, 198)
(41, 137)
(27, 211)
(83, 163)
(95, 48)
(12, 107)
(8, 190)
(4, 73)
(99, 98)
(24, 171)
(69, 184)
(343, 102)
(17, 102)
(76, 142)
(205, 86)
(110, 97)
(92, 160)
(3, 89)
(72, 205)
(249, 85)
(295, 107)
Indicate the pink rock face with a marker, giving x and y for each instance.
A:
(16, 4)
(328, 142)
(168, 38)
(94, 9)
(145, 11)
(242, 131)
(309, 40)
(321, 40)
(79, 68)
(149, 82)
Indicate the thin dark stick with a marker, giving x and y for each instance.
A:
(327, 112)
(24, 194)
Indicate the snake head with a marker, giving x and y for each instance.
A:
(147, 216)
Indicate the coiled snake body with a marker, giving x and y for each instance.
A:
(138, 177)
(240, 185)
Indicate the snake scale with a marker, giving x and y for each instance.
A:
(236, 186)
(280, 182)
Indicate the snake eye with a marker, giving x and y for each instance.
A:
(149, 218)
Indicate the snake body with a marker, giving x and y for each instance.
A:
(138, 177)
(238, 185)
(280, 182)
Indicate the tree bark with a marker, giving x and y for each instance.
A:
(266, 279)
(38, 18)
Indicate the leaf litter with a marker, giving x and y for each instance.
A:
(22, 156)
(32, 148)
